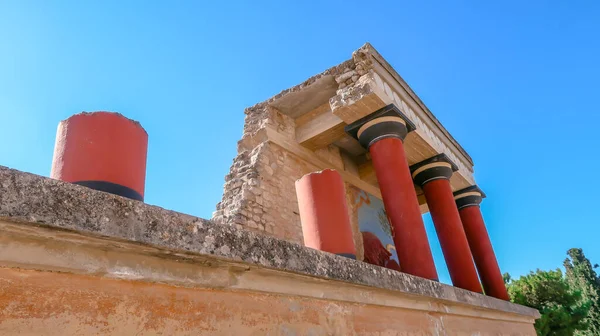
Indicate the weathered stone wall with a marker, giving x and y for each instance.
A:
(359, 66)
(47, 303)
(259, 192)
(75, 261)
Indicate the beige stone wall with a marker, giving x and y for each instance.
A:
(242, 183)
(47, 303)
(74, 261)
(57, 282)
(278, 171)
(259, 192)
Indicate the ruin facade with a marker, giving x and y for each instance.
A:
(301, 130)
(75, 261)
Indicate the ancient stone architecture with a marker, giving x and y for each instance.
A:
(346, 162)
(361, 119)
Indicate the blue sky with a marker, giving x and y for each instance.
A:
(515, 82)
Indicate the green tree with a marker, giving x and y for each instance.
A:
(581, 275)
(562, 309)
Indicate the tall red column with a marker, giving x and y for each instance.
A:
(433, 176)
(324, 213)
(467, 202)
(383, 133)
(104, 151)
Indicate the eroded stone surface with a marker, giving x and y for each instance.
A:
(57, 303)
(35, 200)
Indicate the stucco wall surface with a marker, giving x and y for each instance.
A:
(77, 261)
(47, 303)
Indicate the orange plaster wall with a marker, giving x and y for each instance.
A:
(51, 303)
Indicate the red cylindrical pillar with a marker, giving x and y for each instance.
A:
(467, 201)
(402, 207)
(324, 213)
(383, 133)
(433, 176)
(104, 151)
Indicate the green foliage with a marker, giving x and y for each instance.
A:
(563, 310)
(581, 275)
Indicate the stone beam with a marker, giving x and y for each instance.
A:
(370, 93)
(309, 156)
(430, 135)
(319, 128)
(325, 124)
(358, 100)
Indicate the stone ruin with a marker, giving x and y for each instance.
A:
(74, 260)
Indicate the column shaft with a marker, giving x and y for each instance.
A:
(483, 253)
(324, 213)
(402, 207)
(104, 151)
(451, 234)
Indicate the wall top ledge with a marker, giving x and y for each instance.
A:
(38, 201)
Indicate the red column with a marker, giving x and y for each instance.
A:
(468, 201)
(433, 176)
(383, 133)
(103, 151)
(402, 207)
(324, 213)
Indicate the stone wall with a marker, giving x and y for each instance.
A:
(47, 303)
(259, 192)
(75, 261)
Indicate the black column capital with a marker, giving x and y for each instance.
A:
(434, 168)
(468, 196)
(387, 122)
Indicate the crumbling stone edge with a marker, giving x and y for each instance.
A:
(36, 200)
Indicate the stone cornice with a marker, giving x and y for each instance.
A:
(428, 133)
(349, 105)
(383, 68)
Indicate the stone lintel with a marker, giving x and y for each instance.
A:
(359, 100)
(405, 92)
(319, 128)
(370, 93)
(309, 156)
(31, 202)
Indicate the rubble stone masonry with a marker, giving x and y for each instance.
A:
(259, 192)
